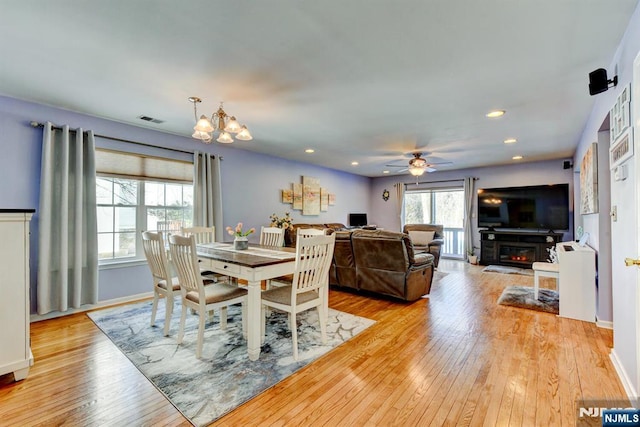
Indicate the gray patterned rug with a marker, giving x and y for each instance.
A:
(224, 378)
(522, 296)
(507, 270)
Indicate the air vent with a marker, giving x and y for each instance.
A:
(150, 119)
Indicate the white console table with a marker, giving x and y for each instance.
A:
(15, 349)
(577, 284)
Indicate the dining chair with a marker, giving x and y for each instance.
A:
(272, 236)
(201, 234)
(309, 288)
(195, 295)
(306, 232)
(164, 286)
(204, 235)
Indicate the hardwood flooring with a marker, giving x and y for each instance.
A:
(454, 359)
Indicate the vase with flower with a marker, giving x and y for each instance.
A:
(285, 222)
(241, 238)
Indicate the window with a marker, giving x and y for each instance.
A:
(136, 193)
(126, 207)
(439, 206)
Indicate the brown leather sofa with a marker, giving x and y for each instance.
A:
(378, 261)
(435, 246)
(291, 233)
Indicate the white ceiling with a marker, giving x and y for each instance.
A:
(365, 81)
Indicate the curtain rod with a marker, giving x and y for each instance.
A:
(438, 182)
(144, 144)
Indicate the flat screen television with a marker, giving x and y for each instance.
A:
(357, 219)
(532, 207)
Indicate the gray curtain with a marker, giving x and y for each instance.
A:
(400, 202)
(468, 211)
(207, 192)
(68, 238)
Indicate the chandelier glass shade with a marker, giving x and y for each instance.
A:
(219, 122)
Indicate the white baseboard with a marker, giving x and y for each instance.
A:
(606, 324)
(632, 394)
(89, 307)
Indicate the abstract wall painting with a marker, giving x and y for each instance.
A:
(589, 181)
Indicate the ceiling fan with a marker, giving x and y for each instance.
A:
(418, 165)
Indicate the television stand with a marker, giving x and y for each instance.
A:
(516, 248)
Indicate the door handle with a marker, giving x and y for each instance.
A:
(630, 261)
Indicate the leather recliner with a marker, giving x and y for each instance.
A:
(387, 264)
(435, 246)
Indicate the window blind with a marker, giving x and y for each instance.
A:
(137, 166)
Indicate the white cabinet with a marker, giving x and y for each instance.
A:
(577, 284)
(15, 351)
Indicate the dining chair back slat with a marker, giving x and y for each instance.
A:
(201, 234)
(272, 236)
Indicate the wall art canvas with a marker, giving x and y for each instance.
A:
(589, 181)
(332, 199)
(324, 200)
(310, 196)
(287, 196)
(297, 196)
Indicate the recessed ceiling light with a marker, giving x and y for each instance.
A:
(309, 150)
(354, 163)
(517, 157)
(385, 171)
(510, 141)
(495, 113)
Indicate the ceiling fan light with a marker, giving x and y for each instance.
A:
(244, 134)
(232, 126)
(225, 138)
(416, 171)
(204, 125)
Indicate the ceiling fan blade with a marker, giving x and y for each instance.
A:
(395, 166)
(439, 163)
(402, 170)
(430, 169)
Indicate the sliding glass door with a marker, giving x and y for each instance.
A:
(439, 206)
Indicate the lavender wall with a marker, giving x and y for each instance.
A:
(598, 225)
(384, 213)
(251, 182)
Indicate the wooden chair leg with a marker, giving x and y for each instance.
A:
(223, 318)
(154, 307)
(294, 335)
(183, 318)
(322, 317)
(201, 320)
(168, 301)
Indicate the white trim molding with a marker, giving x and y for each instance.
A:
(89, 307)
(632, 393)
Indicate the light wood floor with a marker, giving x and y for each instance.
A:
(454, 359)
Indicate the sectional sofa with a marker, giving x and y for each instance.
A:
(376, 261)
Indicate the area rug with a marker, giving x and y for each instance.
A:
(507, 270)
(522, 297)
(224, 378)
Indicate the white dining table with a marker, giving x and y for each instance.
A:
(254, 265)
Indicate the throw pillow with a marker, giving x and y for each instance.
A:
(421, 238)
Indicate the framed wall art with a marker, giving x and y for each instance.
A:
(589, 181)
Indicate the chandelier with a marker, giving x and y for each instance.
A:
(219, 122)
